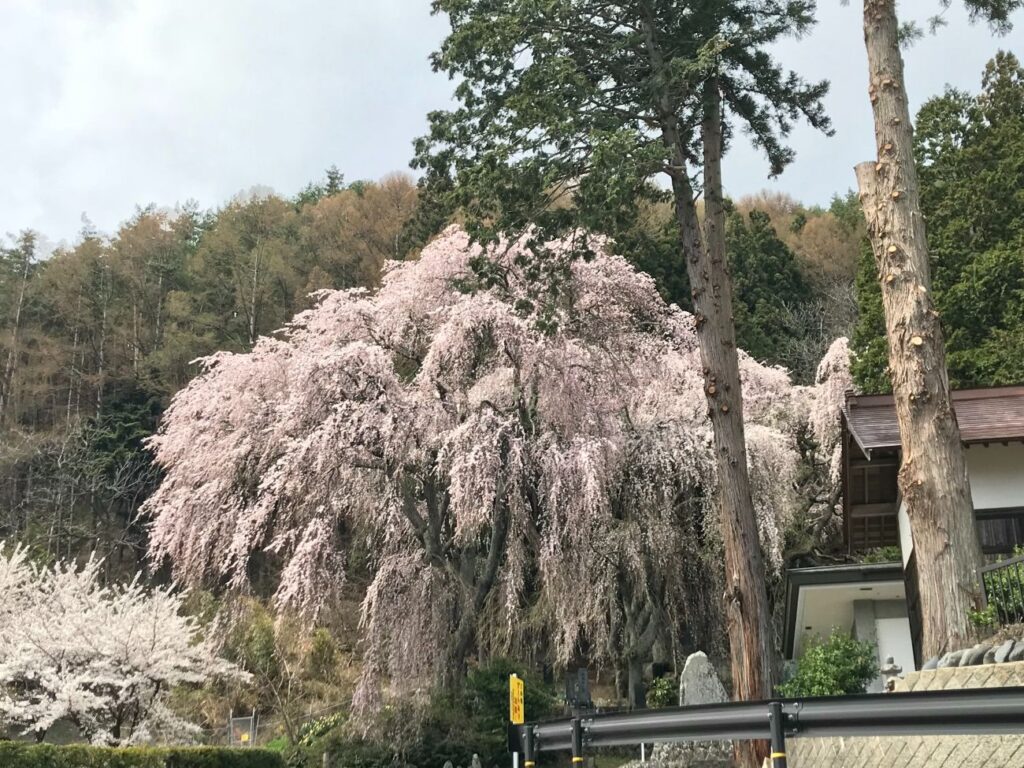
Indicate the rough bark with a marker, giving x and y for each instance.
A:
(253, 304)
(748, 618)
(136, 341)
(637, 699)
(933, 477)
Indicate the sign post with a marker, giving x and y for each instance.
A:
(516, 708)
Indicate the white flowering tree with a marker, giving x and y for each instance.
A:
(518, 484)
(102, 657)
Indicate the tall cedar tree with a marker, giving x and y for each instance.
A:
(568, 108)
(969, 151)
(933, 475)
(769, 288)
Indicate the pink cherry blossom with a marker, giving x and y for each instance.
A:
(515, 487)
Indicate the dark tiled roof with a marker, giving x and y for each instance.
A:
(984, 415)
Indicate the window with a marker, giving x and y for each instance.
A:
(872, 505)
(1000, 530)
(874, 532)
(873, 483)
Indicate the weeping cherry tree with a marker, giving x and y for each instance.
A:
(496, 469)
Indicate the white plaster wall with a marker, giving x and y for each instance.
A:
(997, 481)
(865, 629)
(893, 638)
(906, 541)
(997, 475)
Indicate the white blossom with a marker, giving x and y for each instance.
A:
(102, 657)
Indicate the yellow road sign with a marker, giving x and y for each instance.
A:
(516, 708)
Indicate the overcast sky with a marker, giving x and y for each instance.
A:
(105, 104)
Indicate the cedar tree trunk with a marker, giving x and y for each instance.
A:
(748, 620)
(6, 384)
(933, 476)
(746, 597)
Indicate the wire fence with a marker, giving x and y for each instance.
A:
(267, 728)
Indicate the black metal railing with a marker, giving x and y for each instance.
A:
(968, 711)
(1003, 583)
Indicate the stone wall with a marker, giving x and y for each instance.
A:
(921, 751)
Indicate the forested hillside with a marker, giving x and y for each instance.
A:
(364, 448)
(98, 335)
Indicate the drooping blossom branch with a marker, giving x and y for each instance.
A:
(495, 465)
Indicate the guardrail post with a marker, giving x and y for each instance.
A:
(577, 743)
(529, 747)
(777, 723)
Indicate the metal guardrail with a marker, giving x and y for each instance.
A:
(1003, 583)
(971, 711)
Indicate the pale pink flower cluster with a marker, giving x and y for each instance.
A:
(104, 658)
(832, 383)
(489, 466)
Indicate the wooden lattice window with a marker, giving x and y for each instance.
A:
(873, 483)
(874, 531)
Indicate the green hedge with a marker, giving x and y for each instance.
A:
(22, 755)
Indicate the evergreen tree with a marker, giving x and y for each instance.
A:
(567, 111)
(870, 348)
(769, 288)
(970, 154)
(17, 268)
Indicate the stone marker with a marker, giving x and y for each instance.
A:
(990, 656)
(476, 761)
(699, 683)
(1003, 652)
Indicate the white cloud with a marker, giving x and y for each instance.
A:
(834, 51)
(155, 101)
(111, 104)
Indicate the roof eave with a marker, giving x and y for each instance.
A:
(853, 433)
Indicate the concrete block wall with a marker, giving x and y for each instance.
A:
(922, 751)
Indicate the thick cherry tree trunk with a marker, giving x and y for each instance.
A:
(933, 476)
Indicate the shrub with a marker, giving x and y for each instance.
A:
(840, 665)
(891, 554)
(986, 618)
(24, 755)
(1005, 603)
(453, 726)
(663, 692)
(314, 729)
